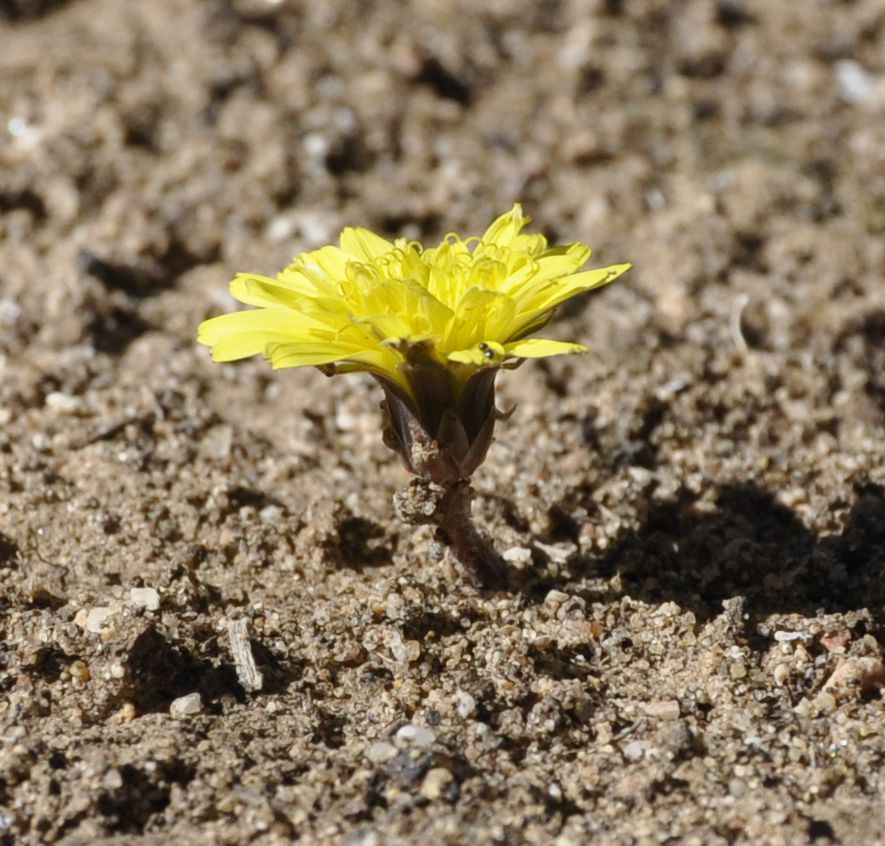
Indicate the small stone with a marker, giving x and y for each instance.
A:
(856, 676)
(96, 620)
(663, 709)
(66, 404)
(79, 671)
(517, 555)
(785, 637)
(126, 714)
(146, 598)
(465, 704)
(272, 514)
(381, 752)
(418, 737)
(435, 783)
(737, 670)
(227, 804)
(837, 642)
(640, 474)
(10, 310)
(555, 598)
(635, 750)
(737, 788)
(856, 84)
(364, 837)
(781, 674)
(113, 779)
(557, 553)
(186, 706)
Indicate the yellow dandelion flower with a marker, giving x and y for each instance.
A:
(433, 326)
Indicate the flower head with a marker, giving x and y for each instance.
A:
(433, 326)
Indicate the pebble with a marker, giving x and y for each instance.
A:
(10, 310)
(856, 676)
(555, 598)
(518, 555)
(126, 714)
(557, 553)
(435, 783)
(856, 85)
(737, 788)
(785, 637)
(66, 403)
(186, 706)
(418, 737)
(272, 514)
(97, 619)
(837, 642)
(781, 674)
(465, 704)
(80, 672)
(112, 780)
(663, 709)
(146, 598)
(381, 752)
(635, 750)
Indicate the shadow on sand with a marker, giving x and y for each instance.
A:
(750, 546)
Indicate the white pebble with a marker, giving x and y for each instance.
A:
(10, 311)
(435, 783)
(856, 85)
(66, 403)
(96, 620)
(465, 704)
(418, 737)
(662, 709)
(635, 750)
(381, 752)
(518, 555)
(785, 637)
(146, 598)
(186, 706)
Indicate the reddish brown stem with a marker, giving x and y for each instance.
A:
(448, 508)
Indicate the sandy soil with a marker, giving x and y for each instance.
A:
(691, 650)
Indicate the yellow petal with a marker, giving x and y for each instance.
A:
(554, 264)
(302, 354)
(363, 244)
(330, 260)
(533, 245)
(541, 348)
(255, 290)
(562, 261)
(504, 229)
(245, 333)
(484, 354)
(554, 293)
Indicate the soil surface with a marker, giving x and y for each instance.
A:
(214, 628)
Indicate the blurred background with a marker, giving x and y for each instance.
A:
(724, 147)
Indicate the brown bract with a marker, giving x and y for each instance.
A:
(445, 431)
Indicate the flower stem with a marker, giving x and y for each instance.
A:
(448, 508)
